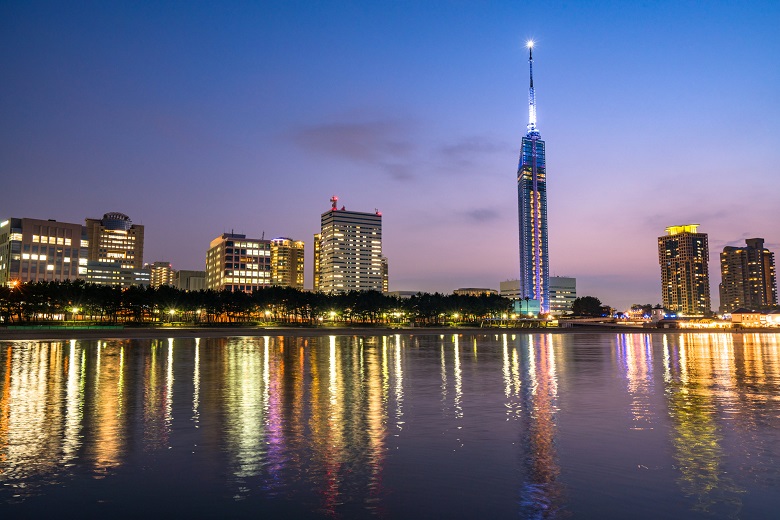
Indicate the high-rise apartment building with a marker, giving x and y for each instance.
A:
(747, 277)
(33, 250)
(685, 282)
(161, 273)
(237, 263)
(287, 262)
(350, 255)
(115, 251)
(532, 208)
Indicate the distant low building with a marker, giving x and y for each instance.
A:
(403, 294)
(110, 274)
(190, 280)
(474, 291)
(755, 319)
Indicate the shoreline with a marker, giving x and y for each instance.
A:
(259, 331)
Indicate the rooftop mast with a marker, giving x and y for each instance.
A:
(532, 131)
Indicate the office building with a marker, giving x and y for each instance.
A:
(115, 250)
(350, 256)
(114, 239)
(747, 277)
(161, 273)
(287, 263)
(683, 254)
(237, 263)
(563, 292)
(185, 280)
(532, 208)
(33, 250)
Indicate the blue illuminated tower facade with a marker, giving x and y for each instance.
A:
(532, 208)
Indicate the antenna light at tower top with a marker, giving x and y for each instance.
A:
(529, 44)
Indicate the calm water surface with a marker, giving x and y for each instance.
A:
(457, 426)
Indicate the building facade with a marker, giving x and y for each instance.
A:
(109, 274)
(287, 262)
(385, 275)
(161, 273)
(237, 263)
(316, 262)
(747, 277)
(115, 251)
(350, 255)
(683, 254)
(532, 208)
(563, 292)
(33, 250)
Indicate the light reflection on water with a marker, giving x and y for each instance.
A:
(453, 426)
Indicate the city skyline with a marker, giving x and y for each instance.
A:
(205, 120)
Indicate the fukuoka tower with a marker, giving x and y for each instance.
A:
(532, 208)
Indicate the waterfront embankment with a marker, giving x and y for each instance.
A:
(55, 333)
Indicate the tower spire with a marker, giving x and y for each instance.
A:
(531, 97)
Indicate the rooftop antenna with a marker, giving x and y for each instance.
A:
(531, 96)
(334, 200)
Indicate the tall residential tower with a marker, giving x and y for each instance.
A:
(532, 208)
(748, 277)
(685, 280)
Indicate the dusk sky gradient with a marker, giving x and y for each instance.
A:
(196, 118)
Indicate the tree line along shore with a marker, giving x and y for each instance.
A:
(38, 303)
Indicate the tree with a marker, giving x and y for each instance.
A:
(586, 306)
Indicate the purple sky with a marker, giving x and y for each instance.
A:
(197, 118)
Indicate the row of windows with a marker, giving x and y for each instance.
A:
(51, 240)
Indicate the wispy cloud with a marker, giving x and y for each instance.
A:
(468, 151)
(481, 215)
(386, 144)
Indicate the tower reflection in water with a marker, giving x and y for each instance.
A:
(536, 384)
